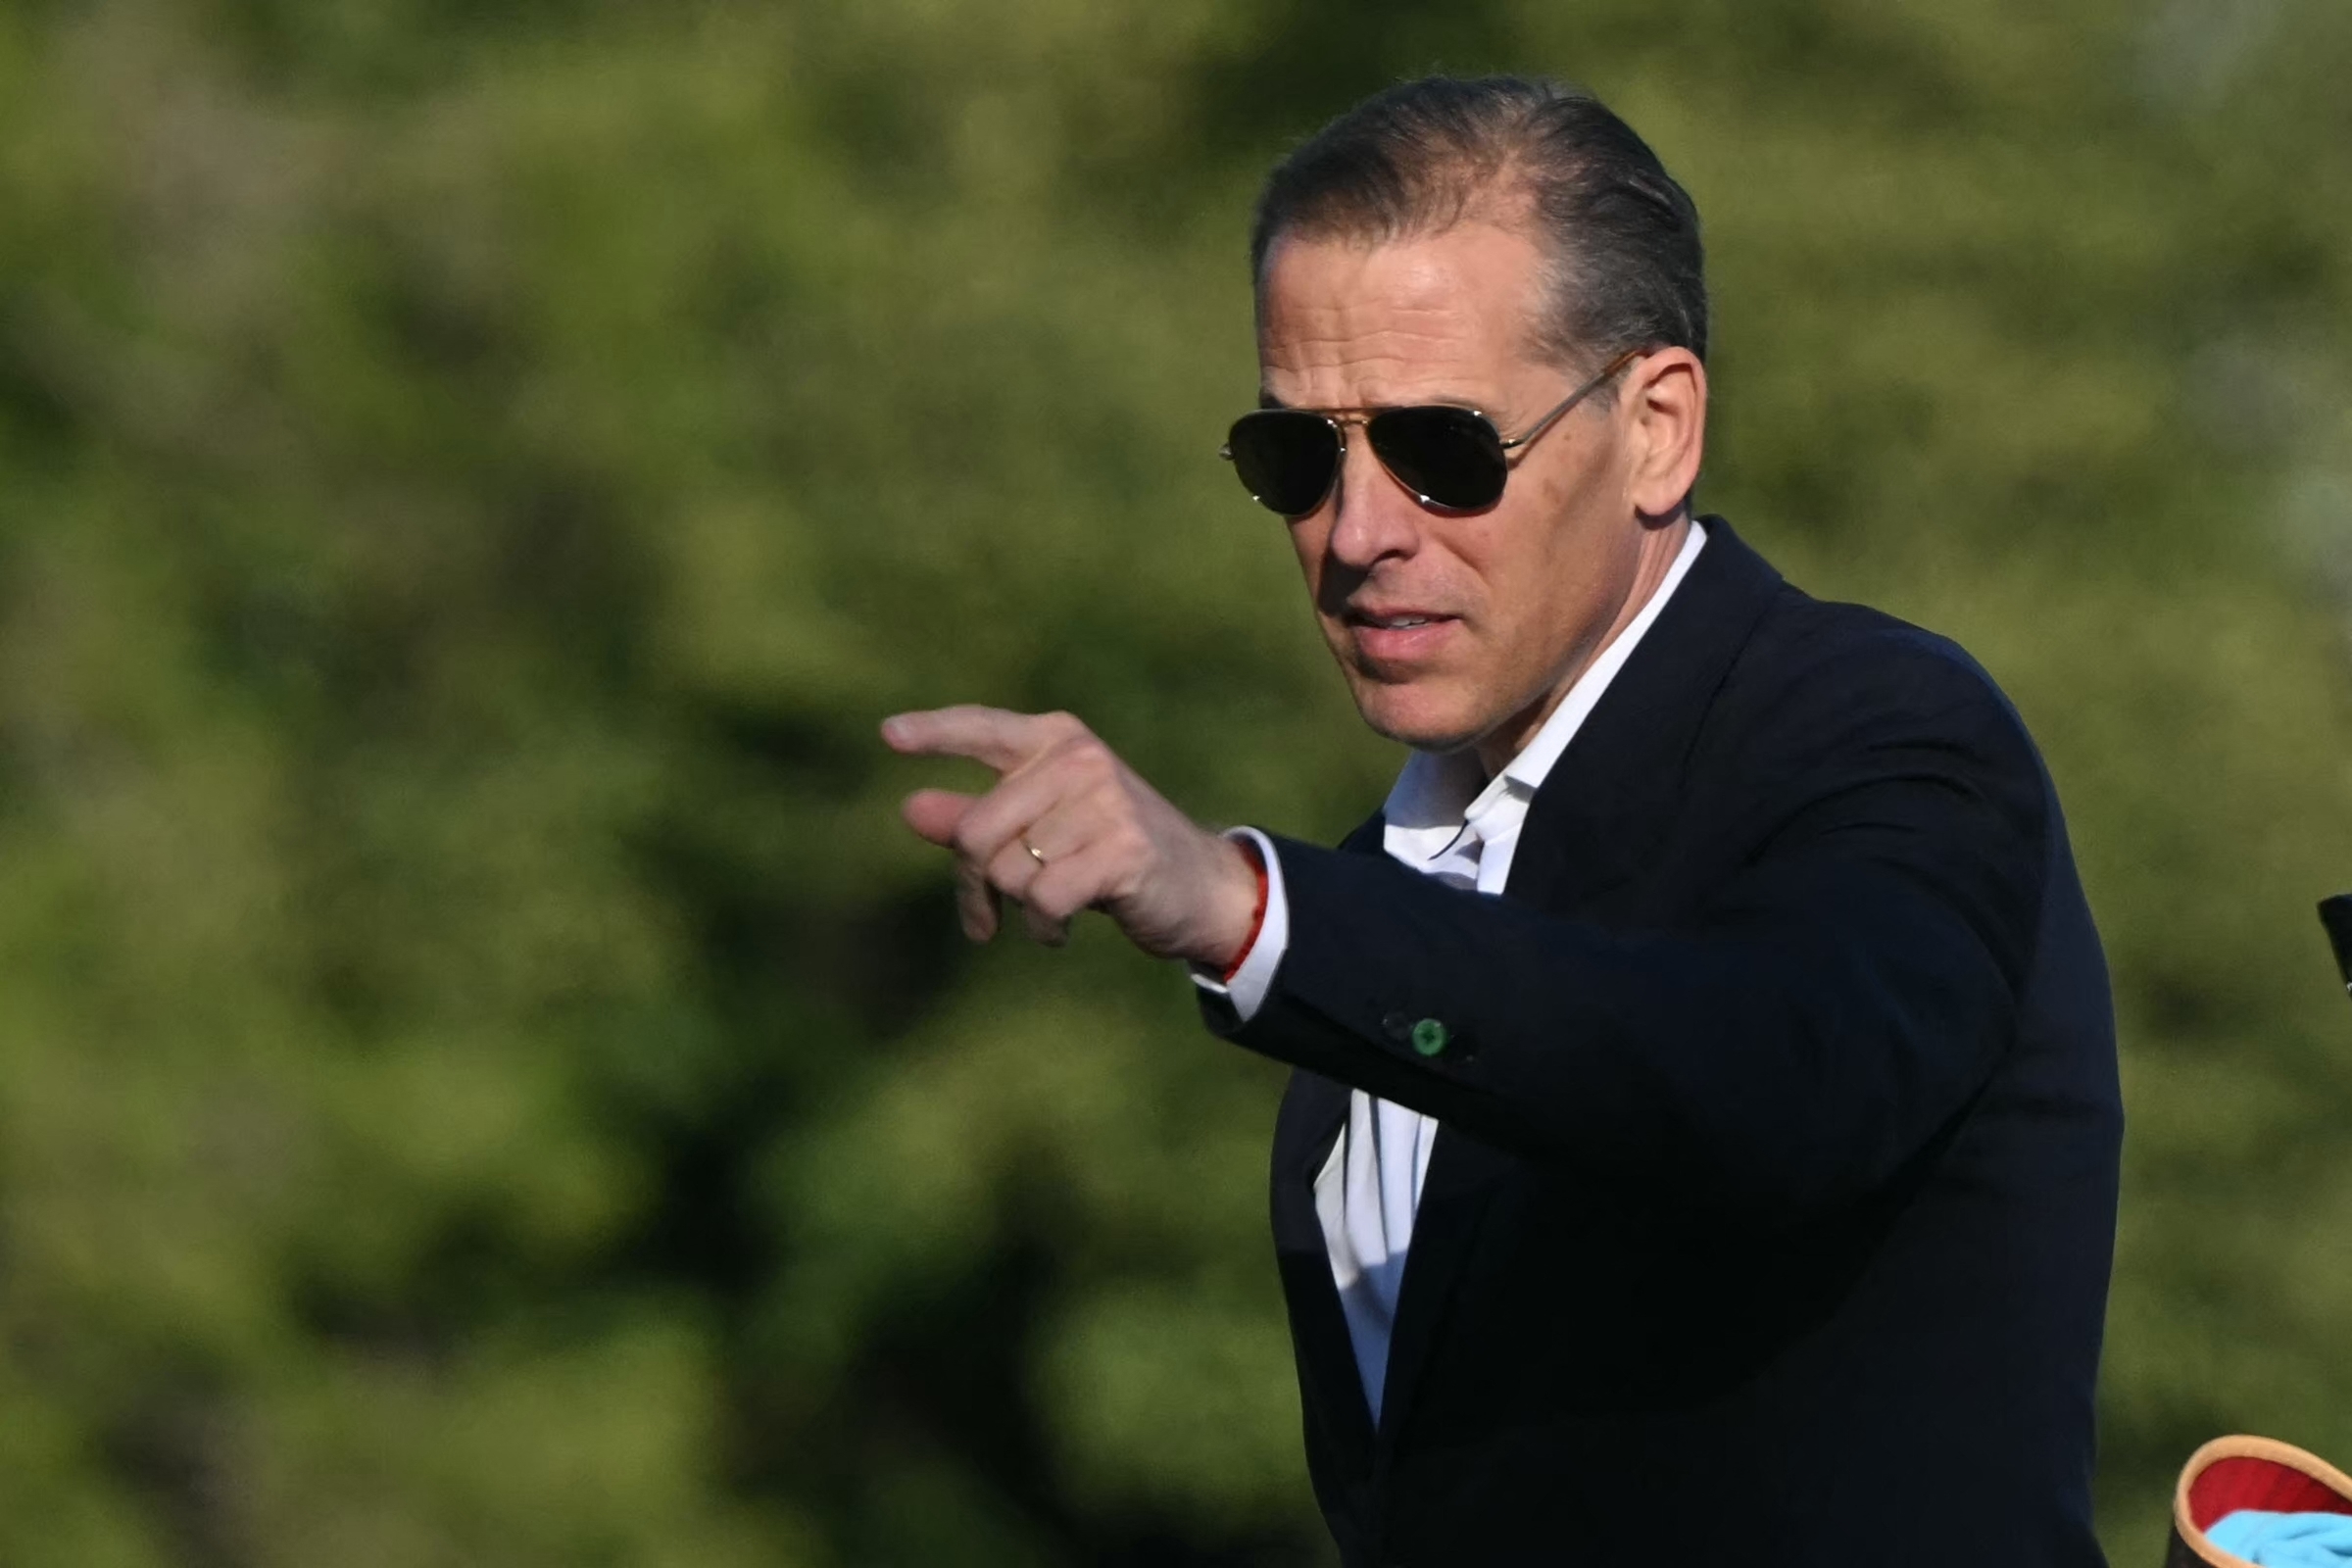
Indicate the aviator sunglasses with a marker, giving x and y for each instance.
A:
(1450, 457)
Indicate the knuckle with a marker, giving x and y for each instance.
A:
(1092, 760)
(1130, 843)
(1074, 739)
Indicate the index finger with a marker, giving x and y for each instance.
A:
(996, 736)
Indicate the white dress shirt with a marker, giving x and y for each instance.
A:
(1444, 819)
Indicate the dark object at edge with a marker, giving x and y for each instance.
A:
(2336, 916)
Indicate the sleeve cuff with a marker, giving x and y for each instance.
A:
(1246, 992)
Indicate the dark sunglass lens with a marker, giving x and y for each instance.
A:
(1284, 458)
(1450, 457)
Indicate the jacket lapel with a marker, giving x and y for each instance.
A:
(1597, 821)
(1592, 826)
(1462, 1177)
(1314, 1112)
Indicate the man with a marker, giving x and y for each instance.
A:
(1703, 1142)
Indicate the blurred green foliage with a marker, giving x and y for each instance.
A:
(483, 1076)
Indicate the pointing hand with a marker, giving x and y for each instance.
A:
(1070, 827)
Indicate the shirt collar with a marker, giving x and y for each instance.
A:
(1436, 793)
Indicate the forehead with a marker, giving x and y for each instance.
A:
(1346, 323)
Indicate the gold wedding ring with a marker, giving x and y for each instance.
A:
(1034, 854)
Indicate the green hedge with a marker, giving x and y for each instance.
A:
(484, 1077)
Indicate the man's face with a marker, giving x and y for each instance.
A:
(1452, 629)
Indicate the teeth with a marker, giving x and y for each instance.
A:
(1401, 623)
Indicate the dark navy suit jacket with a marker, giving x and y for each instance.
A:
(1770, 1217)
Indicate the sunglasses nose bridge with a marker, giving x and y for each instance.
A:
(1341, 423)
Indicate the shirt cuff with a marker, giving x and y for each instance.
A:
(1254, 977)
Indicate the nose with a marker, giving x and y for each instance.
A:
(1375, 518)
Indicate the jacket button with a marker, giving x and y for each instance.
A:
(1429, 1037)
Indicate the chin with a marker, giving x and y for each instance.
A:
(1424, 720)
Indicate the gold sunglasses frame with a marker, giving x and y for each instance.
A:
(1341, 418)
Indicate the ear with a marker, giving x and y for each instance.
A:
(1664, 400)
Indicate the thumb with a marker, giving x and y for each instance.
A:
(934, 814)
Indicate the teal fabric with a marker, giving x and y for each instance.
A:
(2285, 1539)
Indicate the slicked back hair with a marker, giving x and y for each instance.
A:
(1620, 238)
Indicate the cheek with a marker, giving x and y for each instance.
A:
(1500, 561)
(1307, 539)
(1541, 565)
(1571, 531)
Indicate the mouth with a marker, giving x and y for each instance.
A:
(1397, 637)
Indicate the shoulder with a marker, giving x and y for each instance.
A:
(1758, 651)
(1826, 700)
(1800, 636)
(1818, 663)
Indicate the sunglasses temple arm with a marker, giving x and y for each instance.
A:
(1572, 400)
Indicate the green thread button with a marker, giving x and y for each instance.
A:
(1429, 1037)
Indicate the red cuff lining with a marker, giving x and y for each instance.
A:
(1257, 916)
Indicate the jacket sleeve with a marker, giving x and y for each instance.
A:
(1788, 1046)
